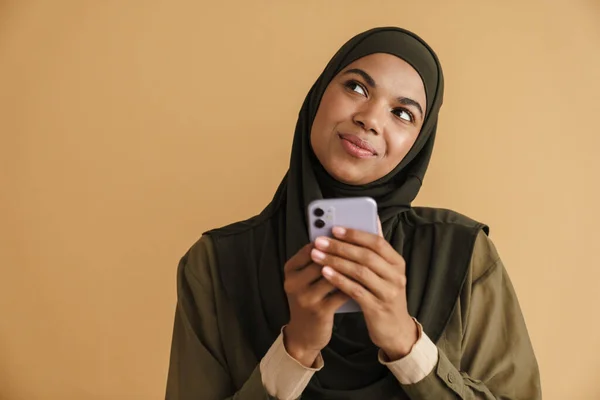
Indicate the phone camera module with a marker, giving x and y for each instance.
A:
(319, 223)
(319, 212)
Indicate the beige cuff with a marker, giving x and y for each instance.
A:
(282, 375)
(417, 364)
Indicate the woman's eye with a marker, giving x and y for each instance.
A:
(404, 114)
(356, 87)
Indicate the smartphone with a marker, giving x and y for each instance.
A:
(358, 213)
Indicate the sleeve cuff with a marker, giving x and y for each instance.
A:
(417, 364)
(283, 376)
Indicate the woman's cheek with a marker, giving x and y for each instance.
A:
(399, 144)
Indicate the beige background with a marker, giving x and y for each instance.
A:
(130, 127)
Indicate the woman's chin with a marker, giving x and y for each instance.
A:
(350, 171)
(349, 175)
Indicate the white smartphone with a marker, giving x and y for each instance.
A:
(358, 213)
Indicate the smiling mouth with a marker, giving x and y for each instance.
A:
(357, 147)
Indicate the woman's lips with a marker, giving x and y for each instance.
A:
(356, 146)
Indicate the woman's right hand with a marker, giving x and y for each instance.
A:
(312, 307)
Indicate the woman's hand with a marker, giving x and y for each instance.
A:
(366, 268)
(312, 307)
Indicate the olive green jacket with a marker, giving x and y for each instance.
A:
(484, 352)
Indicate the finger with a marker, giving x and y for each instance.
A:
(335, 301)
(375, 243)
(299, 260)
(351, 252)
(298, 282)
(321, 288)
(352, 289)
(313, 295)
(379, 227)
(306, 276)
(359, 273)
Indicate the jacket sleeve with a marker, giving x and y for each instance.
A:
(496, 356)
(198, 368)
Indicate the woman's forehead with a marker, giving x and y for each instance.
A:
(383, 63)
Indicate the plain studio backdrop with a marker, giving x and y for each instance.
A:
(130, 127)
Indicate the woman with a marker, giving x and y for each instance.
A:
(256, 305)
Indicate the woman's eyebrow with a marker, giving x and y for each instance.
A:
(366, 77)
(407, 101)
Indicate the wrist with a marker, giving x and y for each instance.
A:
(403, 344)
(304, 356)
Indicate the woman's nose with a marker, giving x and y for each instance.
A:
(370, 118)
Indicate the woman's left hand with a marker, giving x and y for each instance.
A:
(365, 267)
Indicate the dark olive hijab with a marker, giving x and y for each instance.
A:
(436, 244)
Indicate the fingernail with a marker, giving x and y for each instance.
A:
(339, 231)
(327, 271)
(322, 242)
(319, 255)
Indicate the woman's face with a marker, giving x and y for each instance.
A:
(368, 119)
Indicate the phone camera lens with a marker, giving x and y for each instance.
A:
(319, 212)
(319, 223)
